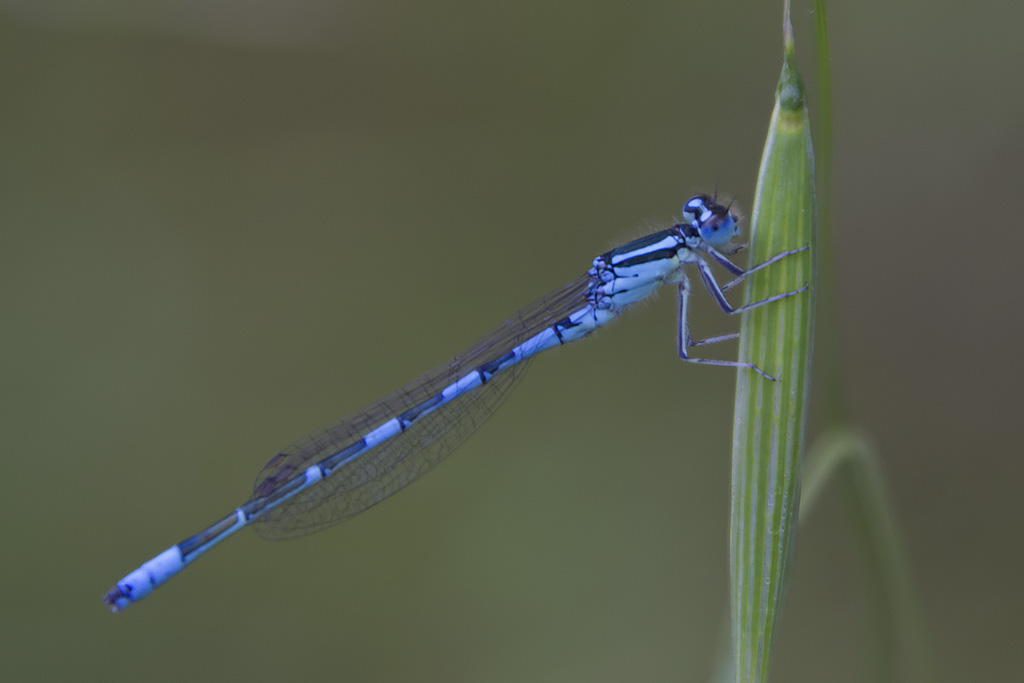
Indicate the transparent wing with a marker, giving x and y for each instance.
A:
(396, 463)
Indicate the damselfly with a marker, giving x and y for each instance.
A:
(359, 461)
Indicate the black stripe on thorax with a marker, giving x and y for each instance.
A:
(648, 257)
(637, 244)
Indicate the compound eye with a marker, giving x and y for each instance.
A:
(718, 229)
(695, 210)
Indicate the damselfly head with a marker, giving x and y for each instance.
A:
(716, 223)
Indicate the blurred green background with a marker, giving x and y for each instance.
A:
(226, 223)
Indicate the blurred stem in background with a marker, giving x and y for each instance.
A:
(898, 626)
(831, 383)
(770, 419)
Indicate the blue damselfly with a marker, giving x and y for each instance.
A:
(356, 462)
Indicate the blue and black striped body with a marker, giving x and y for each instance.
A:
(359, 461)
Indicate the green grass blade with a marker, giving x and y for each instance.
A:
(769, 427)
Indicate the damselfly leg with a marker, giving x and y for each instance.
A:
(740, 273)
(718, 292)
